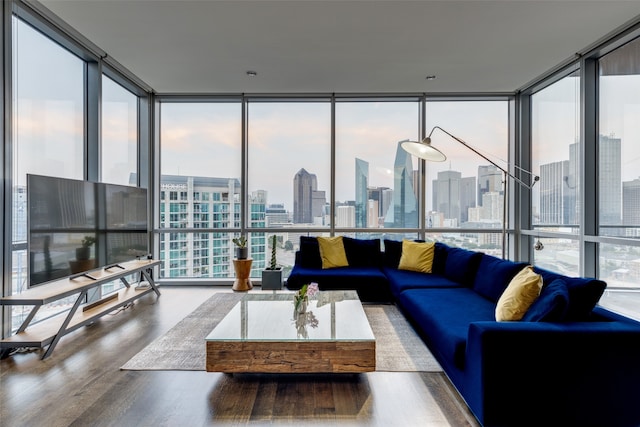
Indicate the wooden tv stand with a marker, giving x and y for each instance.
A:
(49, 331)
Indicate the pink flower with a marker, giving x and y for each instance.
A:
(312, 289)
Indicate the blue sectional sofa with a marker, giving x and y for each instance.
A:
(567, 362)
(364, 273)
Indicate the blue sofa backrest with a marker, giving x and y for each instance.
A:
(584, 293)
(493, 276)
(360, 252)
(461, 265)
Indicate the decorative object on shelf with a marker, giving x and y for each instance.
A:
(301, 298)
(84, 252)
(242, 269)
(272, 275)
(242, 251)
(424, 150)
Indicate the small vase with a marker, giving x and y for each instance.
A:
(301, 305)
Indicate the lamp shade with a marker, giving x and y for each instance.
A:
(423, 150)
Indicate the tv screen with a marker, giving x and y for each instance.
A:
(76, 226)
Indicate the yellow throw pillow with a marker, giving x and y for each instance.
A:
(522, 291)
(417, 256)
(332, 252)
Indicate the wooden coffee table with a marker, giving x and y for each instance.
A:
(261, 334)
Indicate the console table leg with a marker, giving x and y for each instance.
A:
(29, 318)
(63, 328)
(147, 276)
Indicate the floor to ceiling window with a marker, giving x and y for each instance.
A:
(119, 134)
(48, 131)
(288, 173)
(376, 180)
(466, 191)
(555, 130)
(200, 177)
(619, 163)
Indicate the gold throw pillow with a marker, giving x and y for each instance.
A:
(417, 256)
(332, 252)
(522, 291)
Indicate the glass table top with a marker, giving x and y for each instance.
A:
(330, 316)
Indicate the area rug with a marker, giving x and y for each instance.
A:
(398, 347)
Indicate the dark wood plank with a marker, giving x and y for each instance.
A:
(81, 384)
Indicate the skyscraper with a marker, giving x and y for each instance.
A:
(362, 180)
(308, 202)
(403, 212)
(467, 197)
(205, 203)
(552, 188)
(384, 197)
(276, 214)
(631, 205)
(489, 180)
(610, 180)
(446, 194)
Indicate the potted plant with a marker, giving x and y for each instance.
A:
(84, 252)
(242, 252)
(272, 275)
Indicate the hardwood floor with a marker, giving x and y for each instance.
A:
(81, 384)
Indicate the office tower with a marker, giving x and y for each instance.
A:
(489, 180)
(631, 206)
(610, 180)
(492, 206)
(308, 202)
(372, 214)
(207, 203)
(403, 212)
(446, 194)
(435, 219)
(384, 197)
(572, 186)
(276, 214)
(552, 186)
(362, 181)
(345, 216)
(467, 197)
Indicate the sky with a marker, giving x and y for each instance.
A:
(203, 139)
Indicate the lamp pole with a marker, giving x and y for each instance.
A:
(425, 151)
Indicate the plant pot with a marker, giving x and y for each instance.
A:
(272, 279)
(242, 253)
(83, 253)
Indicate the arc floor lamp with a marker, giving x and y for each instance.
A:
(424, 150)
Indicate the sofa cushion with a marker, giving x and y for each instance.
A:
(416, 256)
(521, 292)
(332, 252)
(493, 276)
(584, 293)
(362, 252)
(439, 258)
(461, 265)
(551, 305)
(392, 253)
(401, 280)
(310, 252)
(444, 315)
(370, 283)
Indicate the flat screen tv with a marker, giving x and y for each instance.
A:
(77, 226)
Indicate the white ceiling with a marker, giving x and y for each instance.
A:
(366, 46)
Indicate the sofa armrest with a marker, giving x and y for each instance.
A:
(537, 373)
